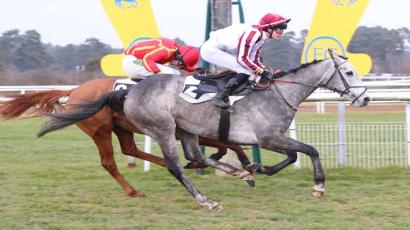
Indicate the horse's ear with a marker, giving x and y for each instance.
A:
(331, 52)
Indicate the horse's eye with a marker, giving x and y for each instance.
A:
(350, 73)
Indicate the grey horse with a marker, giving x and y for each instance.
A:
(261, 118)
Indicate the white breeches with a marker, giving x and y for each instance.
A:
(134, 67)
(214, 54)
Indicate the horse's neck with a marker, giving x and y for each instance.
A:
(311, 75)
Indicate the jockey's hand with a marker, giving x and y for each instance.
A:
(267, 74)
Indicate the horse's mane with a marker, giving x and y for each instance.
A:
(303, 66)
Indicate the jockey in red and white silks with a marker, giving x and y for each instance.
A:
(237, 47)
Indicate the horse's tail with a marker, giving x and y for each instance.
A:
(115, 100)
(35, 102)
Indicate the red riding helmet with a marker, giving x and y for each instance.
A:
(190, 57)
(273, 21)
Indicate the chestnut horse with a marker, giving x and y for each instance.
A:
(101, 126)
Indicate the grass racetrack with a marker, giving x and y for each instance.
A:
(56, 182)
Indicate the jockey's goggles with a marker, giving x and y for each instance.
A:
(179, 59)
(282, 26)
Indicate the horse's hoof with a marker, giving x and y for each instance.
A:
(318, 194)
(251, 183)
(136, 194)
(212, 205)
(318, 191)
(247, 177)
(252, 167)
(217, 208)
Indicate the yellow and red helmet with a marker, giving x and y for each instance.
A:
(189, 56)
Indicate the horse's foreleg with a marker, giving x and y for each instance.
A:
(103, 141)
(128, 147)
(270, 170)
(288, 144)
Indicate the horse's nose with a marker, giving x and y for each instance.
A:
(366, 100)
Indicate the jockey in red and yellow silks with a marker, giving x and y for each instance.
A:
(153, 53)
(237, 48)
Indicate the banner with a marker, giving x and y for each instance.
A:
(333, 25)
(132, 19)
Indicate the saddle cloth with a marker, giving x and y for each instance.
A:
(198, 89)
(125, 83)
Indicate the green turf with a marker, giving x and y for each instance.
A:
(56, 182)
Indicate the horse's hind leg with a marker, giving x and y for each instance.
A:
(169, 149)
(128, 147)
(270, 170)
(103, 140)
(193, 153)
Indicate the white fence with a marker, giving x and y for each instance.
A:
(368, 145)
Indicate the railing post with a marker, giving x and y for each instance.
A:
(408, 132)
(147, 149)
(293, 135)
(131, 161)
(320, 107)
(341, 157)
(256, 152)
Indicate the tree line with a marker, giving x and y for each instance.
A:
(24, 58)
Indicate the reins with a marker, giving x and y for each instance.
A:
(336, 71)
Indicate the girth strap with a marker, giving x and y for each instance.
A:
(224, 125)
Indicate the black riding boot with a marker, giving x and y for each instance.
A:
(222, 98)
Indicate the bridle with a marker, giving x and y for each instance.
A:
(342, 77)
(336, 72)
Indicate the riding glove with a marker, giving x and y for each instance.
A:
(267, 74)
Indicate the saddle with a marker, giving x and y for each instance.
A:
(215, 83)
(201, 88)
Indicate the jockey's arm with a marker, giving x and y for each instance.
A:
(246, 44)
(258, 61)
(151, 59)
